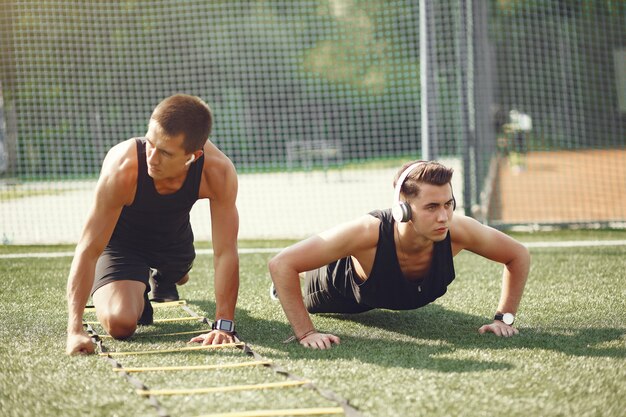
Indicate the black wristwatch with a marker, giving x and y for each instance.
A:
(506, 318)
(224, 325)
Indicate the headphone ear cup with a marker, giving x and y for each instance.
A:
(401, 212)
(396, 212)
(406, 212)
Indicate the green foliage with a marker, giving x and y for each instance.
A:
(561, 7)
(550, 86)
(83, 76)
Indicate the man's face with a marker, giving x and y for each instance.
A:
(432, 211)
(165, 155)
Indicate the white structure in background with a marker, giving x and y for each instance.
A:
(519, 126)
(520, 121)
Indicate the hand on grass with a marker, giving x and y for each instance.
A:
(79, 343)
(214, 337)
(499, 329)
(319, 341)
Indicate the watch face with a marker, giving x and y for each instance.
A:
(225, 325)
(508, 318)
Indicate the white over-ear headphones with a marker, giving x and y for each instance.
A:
(401, 210)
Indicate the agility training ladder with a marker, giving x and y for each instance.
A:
(151, 394)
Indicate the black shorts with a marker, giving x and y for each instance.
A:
(118, 264)
(330, 289)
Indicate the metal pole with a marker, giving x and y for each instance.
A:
(464, 62)
(424, 79)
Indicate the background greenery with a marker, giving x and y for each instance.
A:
(80, 76)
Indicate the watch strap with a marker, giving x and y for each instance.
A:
(504, 317)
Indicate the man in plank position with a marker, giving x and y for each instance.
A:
(138, 228)
(400, 258)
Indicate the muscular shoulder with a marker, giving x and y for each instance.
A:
(356, 238)
(358, 234)
(119, 170)
(463, 232)
(120, 161)
(219, 176)
(468, 233)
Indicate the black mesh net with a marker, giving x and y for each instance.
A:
(319, 102)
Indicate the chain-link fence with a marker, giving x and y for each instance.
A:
(318, 102)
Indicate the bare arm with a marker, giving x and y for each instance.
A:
(312, 253)
(225, 227)
(492, 244)
(113, 190)
(220, 186)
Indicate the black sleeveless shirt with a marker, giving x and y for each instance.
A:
(386, 287)
(154, 222)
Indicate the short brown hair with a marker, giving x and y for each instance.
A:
(189, 115)
(426, 172)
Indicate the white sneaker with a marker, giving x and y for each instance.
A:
(273, 293)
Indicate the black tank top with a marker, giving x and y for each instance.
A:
(386, 287)
(154, 222)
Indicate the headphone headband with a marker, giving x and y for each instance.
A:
(401, 211)
(402, 178)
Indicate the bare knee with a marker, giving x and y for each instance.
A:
(278, 267)
(119, 326)
(274, 266)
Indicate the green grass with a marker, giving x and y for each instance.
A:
(569, 359)
(570, 235)
(14, 194)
